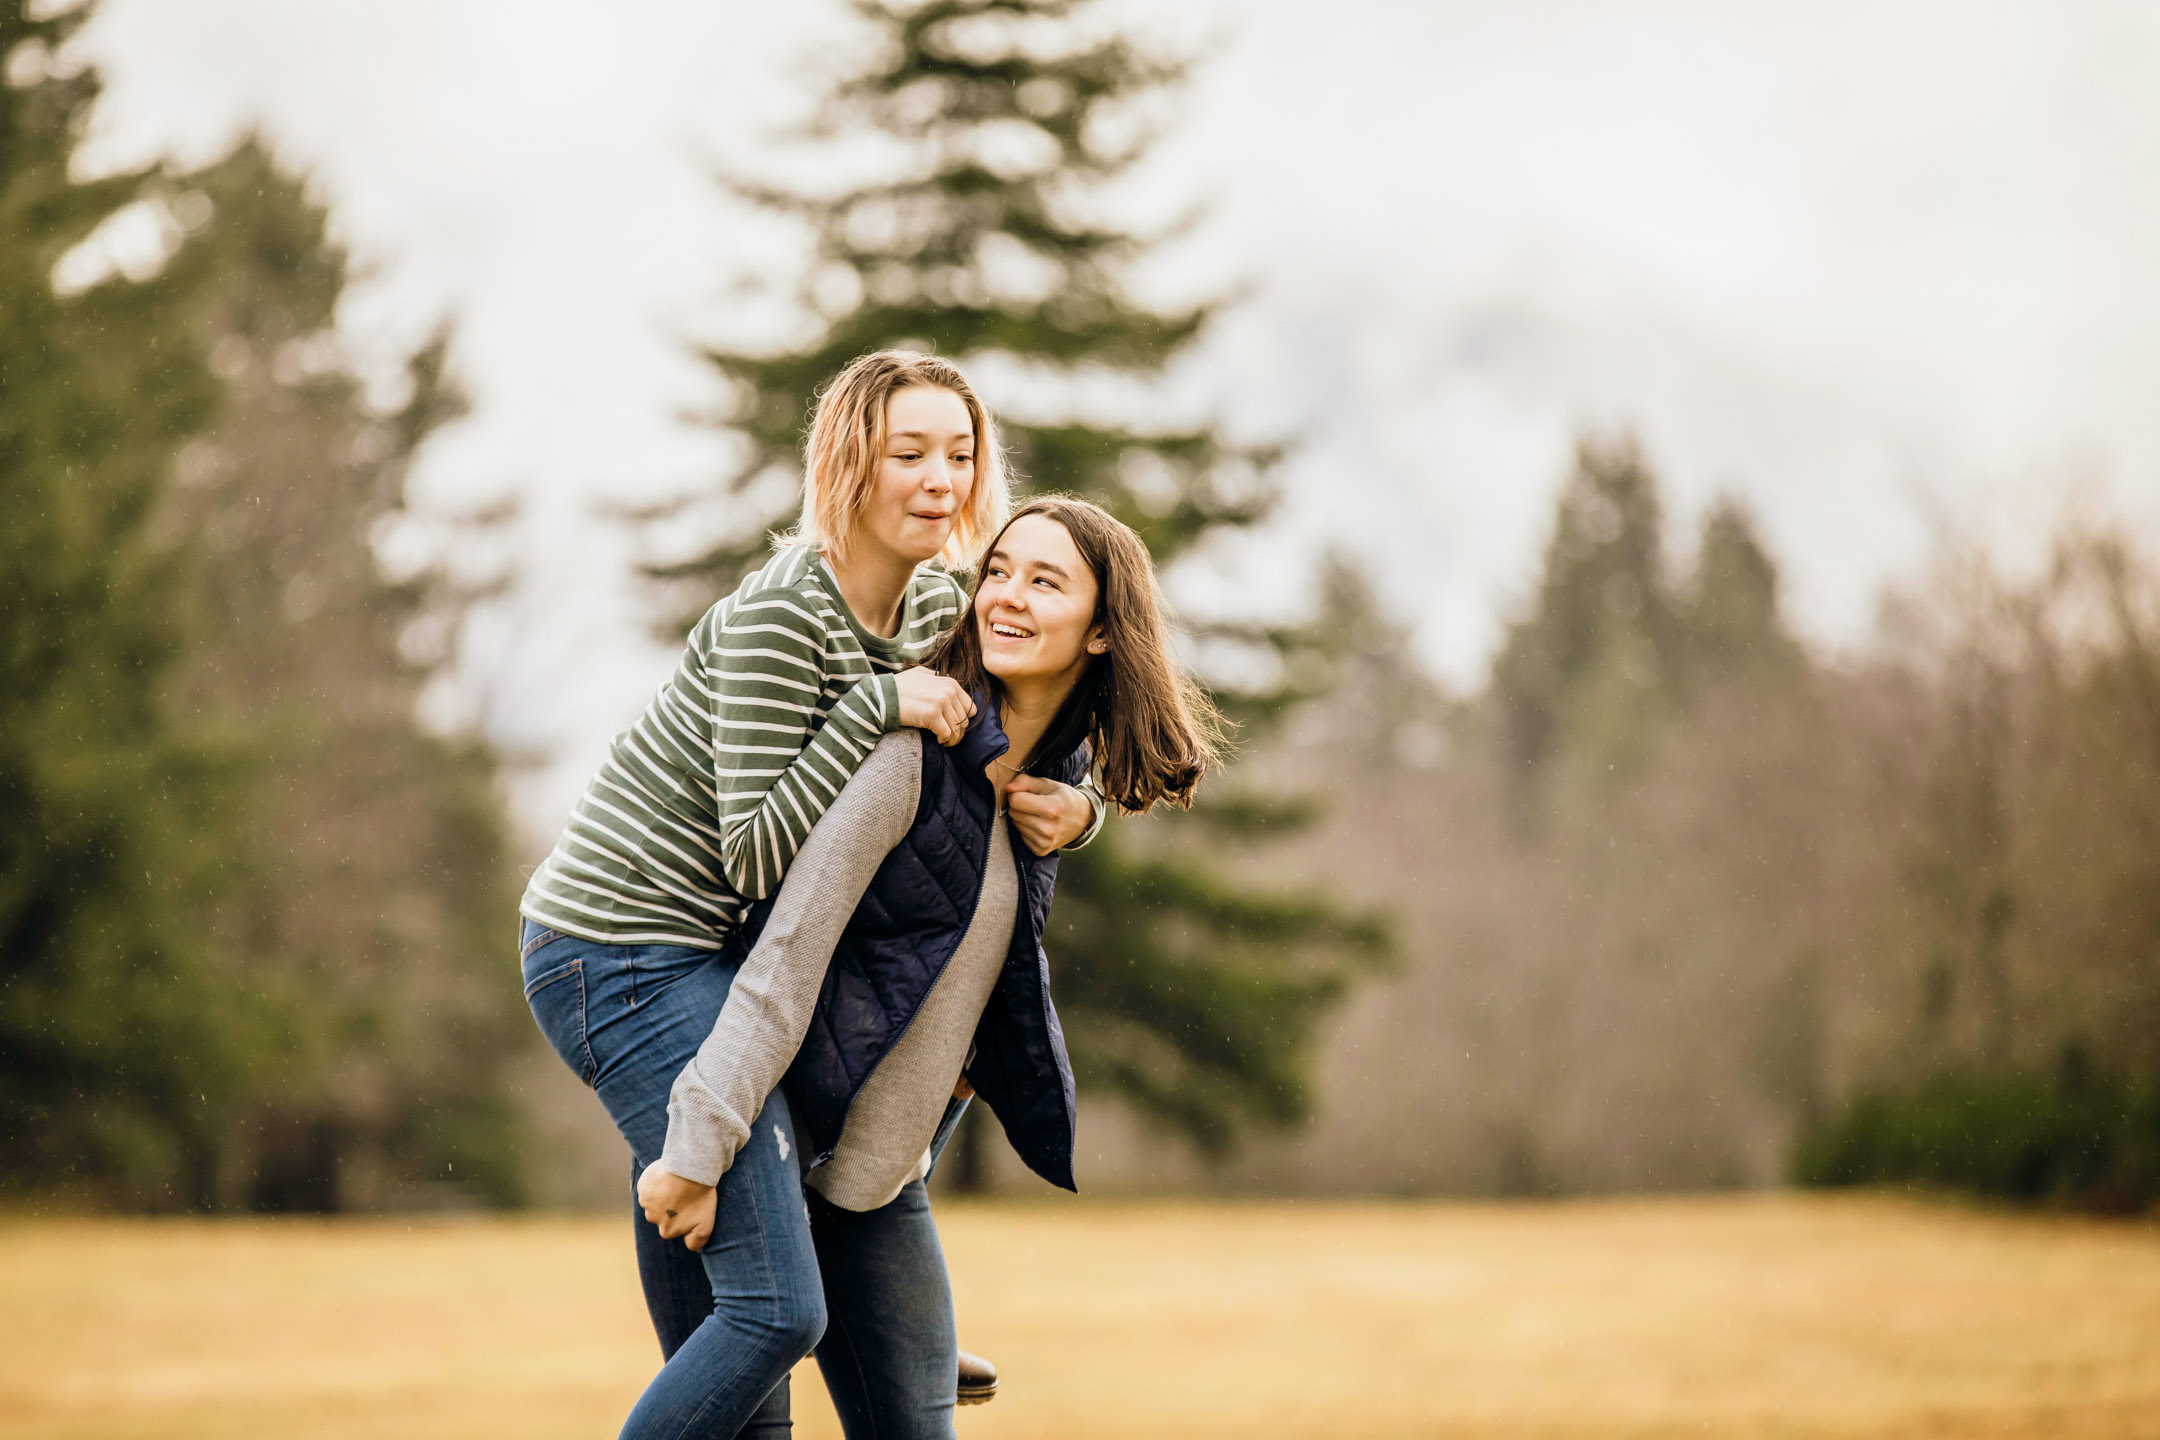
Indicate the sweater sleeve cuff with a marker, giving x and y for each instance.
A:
(887, 693)
(1098, 804)
(703, 1134)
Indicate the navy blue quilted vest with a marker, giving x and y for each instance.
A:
(910, 922)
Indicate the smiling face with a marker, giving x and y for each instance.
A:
(1035, 606)
(924, 476)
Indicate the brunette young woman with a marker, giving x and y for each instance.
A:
(784, 688)
(899, 969)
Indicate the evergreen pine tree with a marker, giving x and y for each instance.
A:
(378, 901)
(1001, 121)
(1589, 671)
(1612, 647)
(1731, 609)
(119, 1040)
(251, 915)
(1376, 708)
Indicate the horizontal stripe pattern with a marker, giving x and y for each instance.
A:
(702, 803)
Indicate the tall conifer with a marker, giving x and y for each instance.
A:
(252, 914)
(1613, 647)
(377, 903)
(987, 234)
(118, 1043)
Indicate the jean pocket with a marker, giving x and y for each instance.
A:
(557, 999)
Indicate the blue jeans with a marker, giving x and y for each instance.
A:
(785, 1274)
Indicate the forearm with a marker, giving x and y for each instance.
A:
(722, 1089)
(769, 1003)
(776, 768)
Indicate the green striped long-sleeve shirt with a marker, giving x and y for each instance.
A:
(702, 803)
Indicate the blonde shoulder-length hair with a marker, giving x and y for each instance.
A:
(847, 441)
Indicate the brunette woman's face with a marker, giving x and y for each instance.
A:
(925, 476)
(1035, 605)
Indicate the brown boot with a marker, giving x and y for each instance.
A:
(978, 1380)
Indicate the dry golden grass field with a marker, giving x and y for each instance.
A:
(1738, 1316)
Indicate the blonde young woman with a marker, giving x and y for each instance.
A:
(784, 689)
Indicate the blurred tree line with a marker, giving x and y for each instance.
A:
(1687, 904)
(252, 912)
(1692, 905)
(2027, 952)
(1695, 906)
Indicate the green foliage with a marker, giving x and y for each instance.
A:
(1730, 615)
(1613, 647)
(1002, 120)
(1194, 998)
(377, 895)
(1598, 647)
(2075, 1137)
(1354, 683)
(250, 913)
(1875, 899)
(118, 1039)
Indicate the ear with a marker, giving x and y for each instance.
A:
(1097, 642)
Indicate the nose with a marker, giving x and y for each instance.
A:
(1008, 594)
(937, 478)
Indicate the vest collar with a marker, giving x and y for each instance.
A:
(985, 739)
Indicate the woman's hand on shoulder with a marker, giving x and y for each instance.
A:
(934, 702)
(680, 1208)
(1047, 815)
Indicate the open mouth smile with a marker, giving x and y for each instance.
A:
(1010, 632)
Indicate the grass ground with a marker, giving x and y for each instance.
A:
(1753, 1316)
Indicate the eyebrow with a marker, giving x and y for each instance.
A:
(1057, 570)
(924, 435)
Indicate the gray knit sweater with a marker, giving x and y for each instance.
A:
(885, 1141)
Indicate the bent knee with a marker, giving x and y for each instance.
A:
(798, 1323)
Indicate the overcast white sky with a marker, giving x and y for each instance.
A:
(1878, 265)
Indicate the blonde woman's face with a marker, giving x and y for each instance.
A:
(925, 476)
(1035, 604)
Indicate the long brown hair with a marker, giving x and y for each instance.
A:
(847, 441)
(1154, 731)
